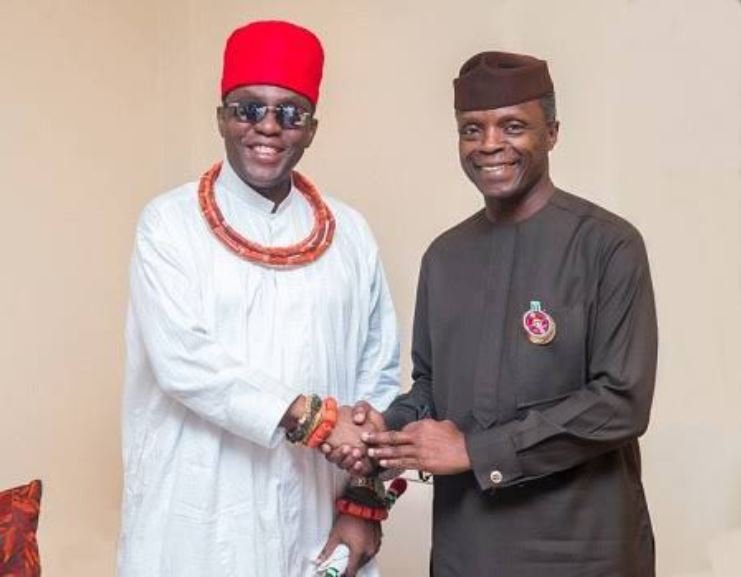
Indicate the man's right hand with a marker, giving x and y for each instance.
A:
(364, 412)
(350, 455)
(347, 431)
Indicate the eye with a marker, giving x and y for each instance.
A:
(514, 128)
(469, 132)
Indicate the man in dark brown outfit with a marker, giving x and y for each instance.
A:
(534, 354)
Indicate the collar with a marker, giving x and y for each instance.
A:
(230, 181)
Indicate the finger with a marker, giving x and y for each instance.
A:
(333, 457)
(362, 405)
(329, 547)
(326, 448)
(392, 452)
(336, 456)
(401, 463)
(348, 462)
(365, 558)
(360, 412)
(356, 466)
(353, 563)
(379, 538)
(388, 438)
(381, 452)
(376, 420)
(363, 468)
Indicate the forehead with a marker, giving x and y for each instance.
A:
(529, 111)
(269, 94)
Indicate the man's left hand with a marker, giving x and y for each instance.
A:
(437, 447)
(362, 537)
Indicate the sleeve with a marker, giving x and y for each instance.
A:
(188, 362)
(378, 373)
(418, 403)
(609, 410)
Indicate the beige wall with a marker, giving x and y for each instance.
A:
(103, 104)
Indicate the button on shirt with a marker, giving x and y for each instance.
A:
(496, 477)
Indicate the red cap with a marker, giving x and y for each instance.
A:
(276, 53)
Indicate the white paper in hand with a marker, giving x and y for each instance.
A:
(336, 564)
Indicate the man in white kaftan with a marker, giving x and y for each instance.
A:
(218, 350)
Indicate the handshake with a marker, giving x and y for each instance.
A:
(357, 431)
(360, 443)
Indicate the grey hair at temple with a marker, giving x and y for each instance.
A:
(548, 103)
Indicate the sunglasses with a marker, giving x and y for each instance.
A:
(289, 116)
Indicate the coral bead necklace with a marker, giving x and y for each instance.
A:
(304, 252)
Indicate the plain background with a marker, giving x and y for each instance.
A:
(104, 104)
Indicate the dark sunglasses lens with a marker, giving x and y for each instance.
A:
(289, 116)
(251, 112)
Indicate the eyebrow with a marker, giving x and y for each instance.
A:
(464, 120)
(510, 118)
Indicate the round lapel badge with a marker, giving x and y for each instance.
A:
(538, 324)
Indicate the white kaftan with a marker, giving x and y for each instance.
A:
(217, 349)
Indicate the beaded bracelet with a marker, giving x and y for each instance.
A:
(307, 421)
(324, 429)
(305, 425)
(369, 499)
(368, 491)
(364, 497)
(348, 507)
(315, 422)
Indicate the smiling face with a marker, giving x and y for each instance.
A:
(263, 154)
(504, 151)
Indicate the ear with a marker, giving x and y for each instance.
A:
(221, 121)
(310, 132)
(552, 134)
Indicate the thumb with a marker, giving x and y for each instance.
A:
(360, 412)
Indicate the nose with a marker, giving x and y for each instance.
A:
(493, 139)
(269, 124)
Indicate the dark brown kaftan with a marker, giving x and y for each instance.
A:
(551, 429)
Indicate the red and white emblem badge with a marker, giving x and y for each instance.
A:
(538, 324)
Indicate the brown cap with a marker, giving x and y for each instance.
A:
(495, 79)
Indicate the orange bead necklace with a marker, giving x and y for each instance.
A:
(304, 252)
